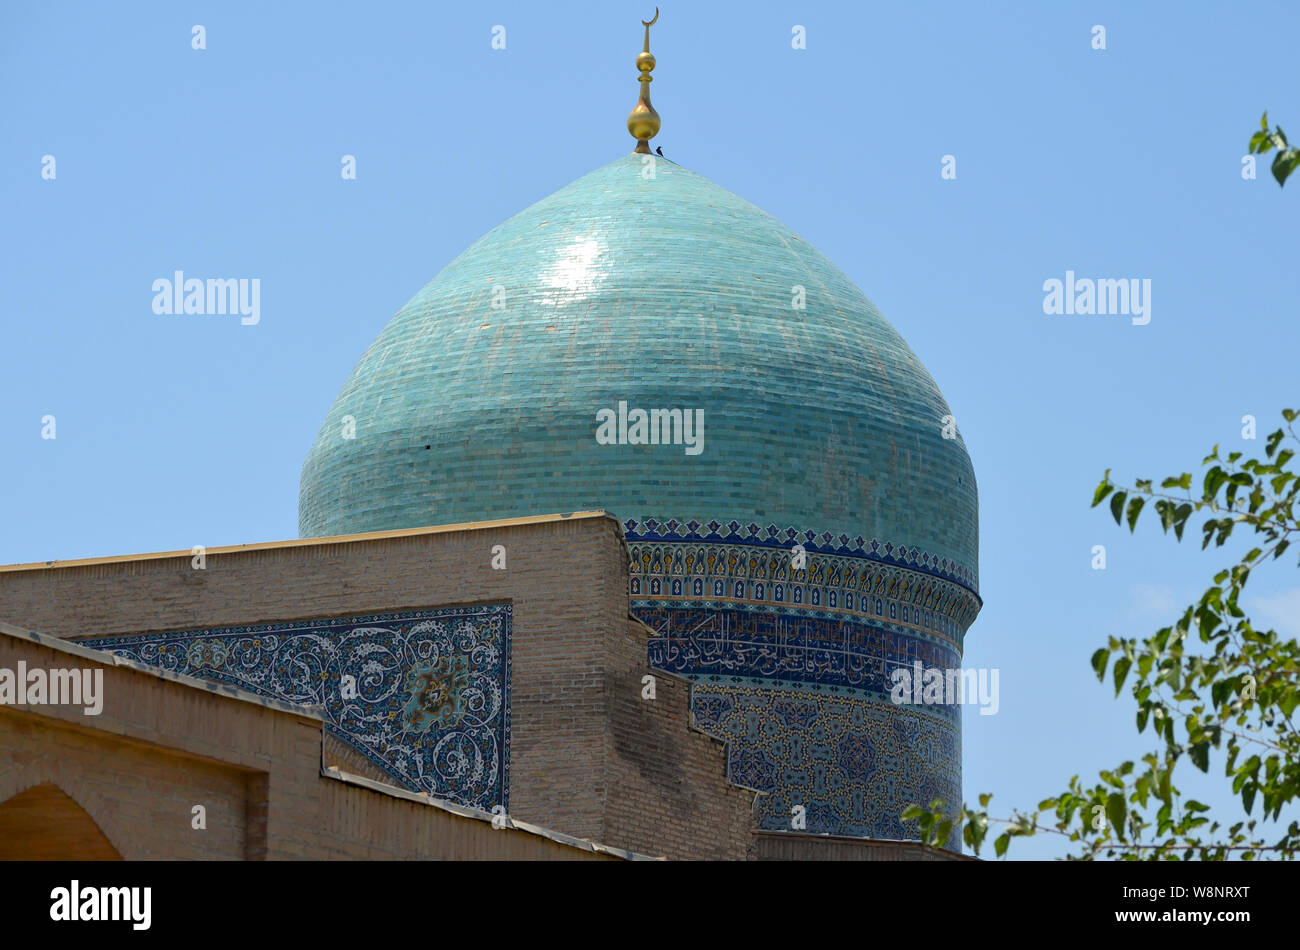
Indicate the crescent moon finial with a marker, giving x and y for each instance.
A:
(643, 122)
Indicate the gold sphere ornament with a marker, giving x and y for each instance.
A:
(643, 121)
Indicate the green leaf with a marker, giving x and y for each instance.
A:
(1099, 660)
(1117, 506)
(1220, 691)
(1121, 671)
(942, 833)
(1000, 844)
(1200, 755)
(1117, 811)
(1104, 489)
(975, 830)
(1284, 164)
(1134, 508)
(1263, 121)
(985, 798)
(1214, 479)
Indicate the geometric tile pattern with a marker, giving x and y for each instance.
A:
(423, 694)
(782, 540)
(791, 666)
(831, 656)
(853, 765)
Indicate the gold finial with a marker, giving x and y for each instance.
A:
(643, 121)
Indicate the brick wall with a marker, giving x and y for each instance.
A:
(775, 846)
(669, 792)
(164, 744)
(589, 757)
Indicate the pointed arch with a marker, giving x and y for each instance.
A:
(44, 823)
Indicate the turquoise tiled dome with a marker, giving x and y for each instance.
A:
(663, 292)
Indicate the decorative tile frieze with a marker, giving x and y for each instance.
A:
(423, 694)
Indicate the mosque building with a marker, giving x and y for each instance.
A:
(609, 546)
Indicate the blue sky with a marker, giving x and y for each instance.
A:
(226, 161)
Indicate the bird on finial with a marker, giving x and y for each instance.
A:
(643, 121)
(659, 150)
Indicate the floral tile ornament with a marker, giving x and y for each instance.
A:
(422, 694)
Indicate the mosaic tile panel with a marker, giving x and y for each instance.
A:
(781, 540)
(432, 687)
(826, 655)
(853, 765)
(791, 666)
(728, 573)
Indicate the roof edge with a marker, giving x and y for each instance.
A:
(105, 658)
(305, 542)
(505, 821)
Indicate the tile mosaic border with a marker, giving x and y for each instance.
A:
(432, 686)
